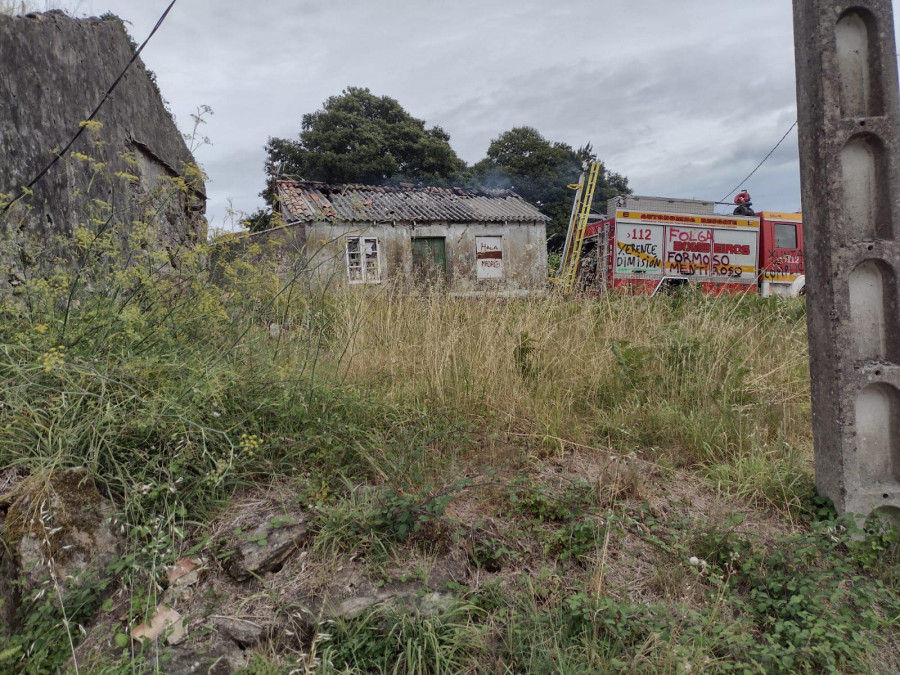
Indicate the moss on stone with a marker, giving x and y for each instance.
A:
(73, 533)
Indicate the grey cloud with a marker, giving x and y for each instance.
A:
(683, 97)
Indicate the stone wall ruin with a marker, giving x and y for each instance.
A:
(54, 69)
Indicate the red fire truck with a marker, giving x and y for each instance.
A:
(647, 243)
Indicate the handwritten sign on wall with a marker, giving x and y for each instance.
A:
(639, 249)
(489, 257)
(711, 253)
(722, 249)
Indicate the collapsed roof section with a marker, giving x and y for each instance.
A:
(307, 202)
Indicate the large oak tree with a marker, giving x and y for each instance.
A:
(358, 137)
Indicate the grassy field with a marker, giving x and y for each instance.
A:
(718, 385)
(628, 481)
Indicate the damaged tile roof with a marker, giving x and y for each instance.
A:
(306, 201)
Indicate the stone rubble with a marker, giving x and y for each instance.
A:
(266, 547)
(57, 531)
(166, 623)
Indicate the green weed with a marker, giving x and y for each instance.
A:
(533, 499)
(382, 642)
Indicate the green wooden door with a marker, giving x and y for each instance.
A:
(429, 257)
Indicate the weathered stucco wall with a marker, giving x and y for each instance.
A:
(53, 72)
(319, 251)
(524, 254)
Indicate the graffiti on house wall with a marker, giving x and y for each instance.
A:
(489, 257)
(639, 248)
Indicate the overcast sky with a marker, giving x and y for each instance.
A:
(683, 97)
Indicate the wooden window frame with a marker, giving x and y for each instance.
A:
(363, 266)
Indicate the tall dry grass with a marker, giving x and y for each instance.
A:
(720, 383)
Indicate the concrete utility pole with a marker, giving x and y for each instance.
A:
(849, 114)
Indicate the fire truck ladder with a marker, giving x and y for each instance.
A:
(568, 269)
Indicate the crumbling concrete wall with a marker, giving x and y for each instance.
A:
(53, 71)
(322, 246)
(523, 247)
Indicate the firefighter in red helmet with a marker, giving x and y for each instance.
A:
(744, 205)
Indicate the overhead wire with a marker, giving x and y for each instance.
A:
(771, 152)
(82, 126)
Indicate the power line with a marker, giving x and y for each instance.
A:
(82, 126)
(771, 152)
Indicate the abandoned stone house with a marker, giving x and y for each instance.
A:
(472, 242)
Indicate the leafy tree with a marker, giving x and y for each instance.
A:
(521, 159)
(258, 221)
(360, 137)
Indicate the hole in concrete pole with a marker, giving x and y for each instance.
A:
(865, 188)
(877, 439)
(859, 63)
(873, 309)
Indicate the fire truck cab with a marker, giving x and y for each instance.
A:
(781, 269)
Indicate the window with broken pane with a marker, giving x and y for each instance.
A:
(363, 262)
(373, 268)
